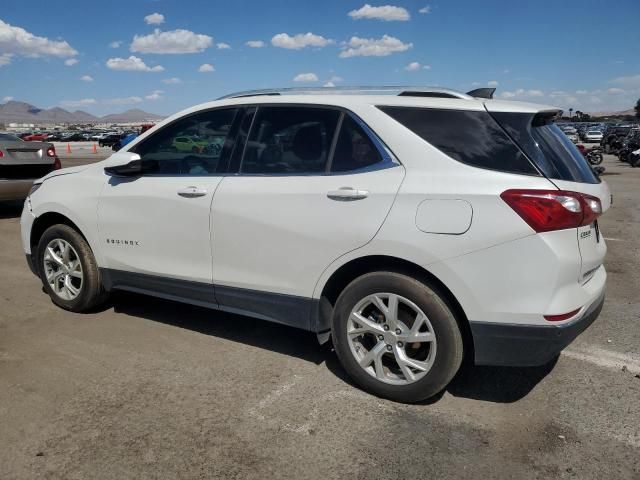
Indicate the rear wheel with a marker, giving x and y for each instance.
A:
(396, 337)
(68, 269)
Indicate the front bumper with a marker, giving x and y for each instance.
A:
(528, 345)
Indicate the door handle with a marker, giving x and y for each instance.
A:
(192, 192)
(347, 194)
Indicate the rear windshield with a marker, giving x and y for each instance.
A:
(547, 146)
(471, 137)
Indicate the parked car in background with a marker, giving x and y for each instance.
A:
(612, 138)
(110, 140)
(408, 227)
(73, 137)
(23, 162)
(592, 136)
(36, 137)
(571, 133)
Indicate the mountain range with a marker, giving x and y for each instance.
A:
(21, 112)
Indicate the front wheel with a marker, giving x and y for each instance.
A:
(396, 337)
(68, 269)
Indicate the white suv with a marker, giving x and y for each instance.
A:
(415, 227)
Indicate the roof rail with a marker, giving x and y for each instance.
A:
(404, 91)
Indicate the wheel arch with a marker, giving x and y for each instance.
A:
(357, 267)
(46, 220)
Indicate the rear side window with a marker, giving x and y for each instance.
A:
(354, 149)
(470, 137)
(290, 140)
(545, 144)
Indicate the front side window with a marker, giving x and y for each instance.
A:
(290, 140)
(194, 145)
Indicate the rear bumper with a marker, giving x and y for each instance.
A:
(15, 189)
(528, 345)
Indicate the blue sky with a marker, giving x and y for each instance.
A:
(166, 55)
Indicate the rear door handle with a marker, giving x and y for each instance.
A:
(192, 192)
(347, 194)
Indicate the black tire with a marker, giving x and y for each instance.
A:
(92, 292)
(449, 350)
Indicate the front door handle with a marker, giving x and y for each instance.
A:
(192, 192)
(347, 194)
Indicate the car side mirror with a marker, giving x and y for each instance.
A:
(132, 167)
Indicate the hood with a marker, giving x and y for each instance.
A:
(63, 171)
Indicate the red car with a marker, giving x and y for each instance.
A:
(36, 137)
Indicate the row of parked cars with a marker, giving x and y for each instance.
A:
(587, 133)
(104, 138)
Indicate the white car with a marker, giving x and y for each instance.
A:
(414, 228)
(593, 136)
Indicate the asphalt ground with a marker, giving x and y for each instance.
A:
(148, 389)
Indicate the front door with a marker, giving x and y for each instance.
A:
(158, 223)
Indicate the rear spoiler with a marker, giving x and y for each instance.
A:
(482, 93)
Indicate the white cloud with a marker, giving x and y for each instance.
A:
(154, 19)
(492, 83)
(17, 41)
(115, 44)
(306, 77)
(255, 43)
(173, 41)
(86, 78)
(155, 95)
(425, 10)
(78, 103)
(299, 41)
(7, 99)
(388, 13)
(521, 92)
(329, 84)
(412, 67)
(615, 91)
(172, 81)
(70, 62)
(122, 101)
(132, 64)
(206, 67)
(223, 46)
(372, 47)
(5, 59)
(631, 81)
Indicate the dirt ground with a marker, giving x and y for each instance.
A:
(150, 389)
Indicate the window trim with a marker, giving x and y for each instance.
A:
(388, 159)
(232, 132)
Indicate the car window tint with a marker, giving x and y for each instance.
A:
(471, 137)
(354, 149)
(290, 140)
(194, 145)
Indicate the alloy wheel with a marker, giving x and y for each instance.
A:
(62, 269)
(391, 338)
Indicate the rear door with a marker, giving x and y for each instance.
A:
(313, 184)
(563, 164)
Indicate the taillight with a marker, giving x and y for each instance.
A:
(57, 164)
(549, 210)
(51, 151)
(1, 154)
